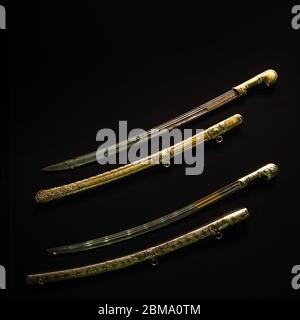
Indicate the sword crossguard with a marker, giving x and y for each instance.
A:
(268, 77)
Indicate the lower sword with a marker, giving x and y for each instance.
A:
(213, 228)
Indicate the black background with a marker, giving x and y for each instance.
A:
(77, 68)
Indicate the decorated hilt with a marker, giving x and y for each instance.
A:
(268, 77)
(269, 171)
(216, 131)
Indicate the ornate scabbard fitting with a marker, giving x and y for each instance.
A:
(216, 131)
(269, 171)
(216, 232)
(268, 77)
(165, 158)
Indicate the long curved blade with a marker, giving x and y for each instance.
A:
(268, 77)
(169, 125)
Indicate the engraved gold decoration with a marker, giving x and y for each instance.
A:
(151, 254)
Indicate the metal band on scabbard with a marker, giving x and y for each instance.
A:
(210, 229)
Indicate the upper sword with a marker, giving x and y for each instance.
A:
(268, 77)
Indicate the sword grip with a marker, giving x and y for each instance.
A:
(269, 171)
(268, 77)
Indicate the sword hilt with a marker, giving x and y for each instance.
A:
(269, 171)
(268, 77)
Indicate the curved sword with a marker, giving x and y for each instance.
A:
(213, 228)
(269, 171)
(268, 77)
(212, 132)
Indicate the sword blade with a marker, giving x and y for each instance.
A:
(149, 226)
(269, 171)
(72, 163)
(123, 146)
(268, 77)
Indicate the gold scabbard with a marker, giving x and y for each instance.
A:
(212, 132)
(47, 195)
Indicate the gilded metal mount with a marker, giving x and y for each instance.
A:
(268, 77)
(216, 131)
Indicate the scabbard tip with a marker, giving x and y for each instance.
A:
(41, 197)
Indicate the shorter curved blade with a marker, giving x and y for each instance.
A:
(149, 226)
(124, 235)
